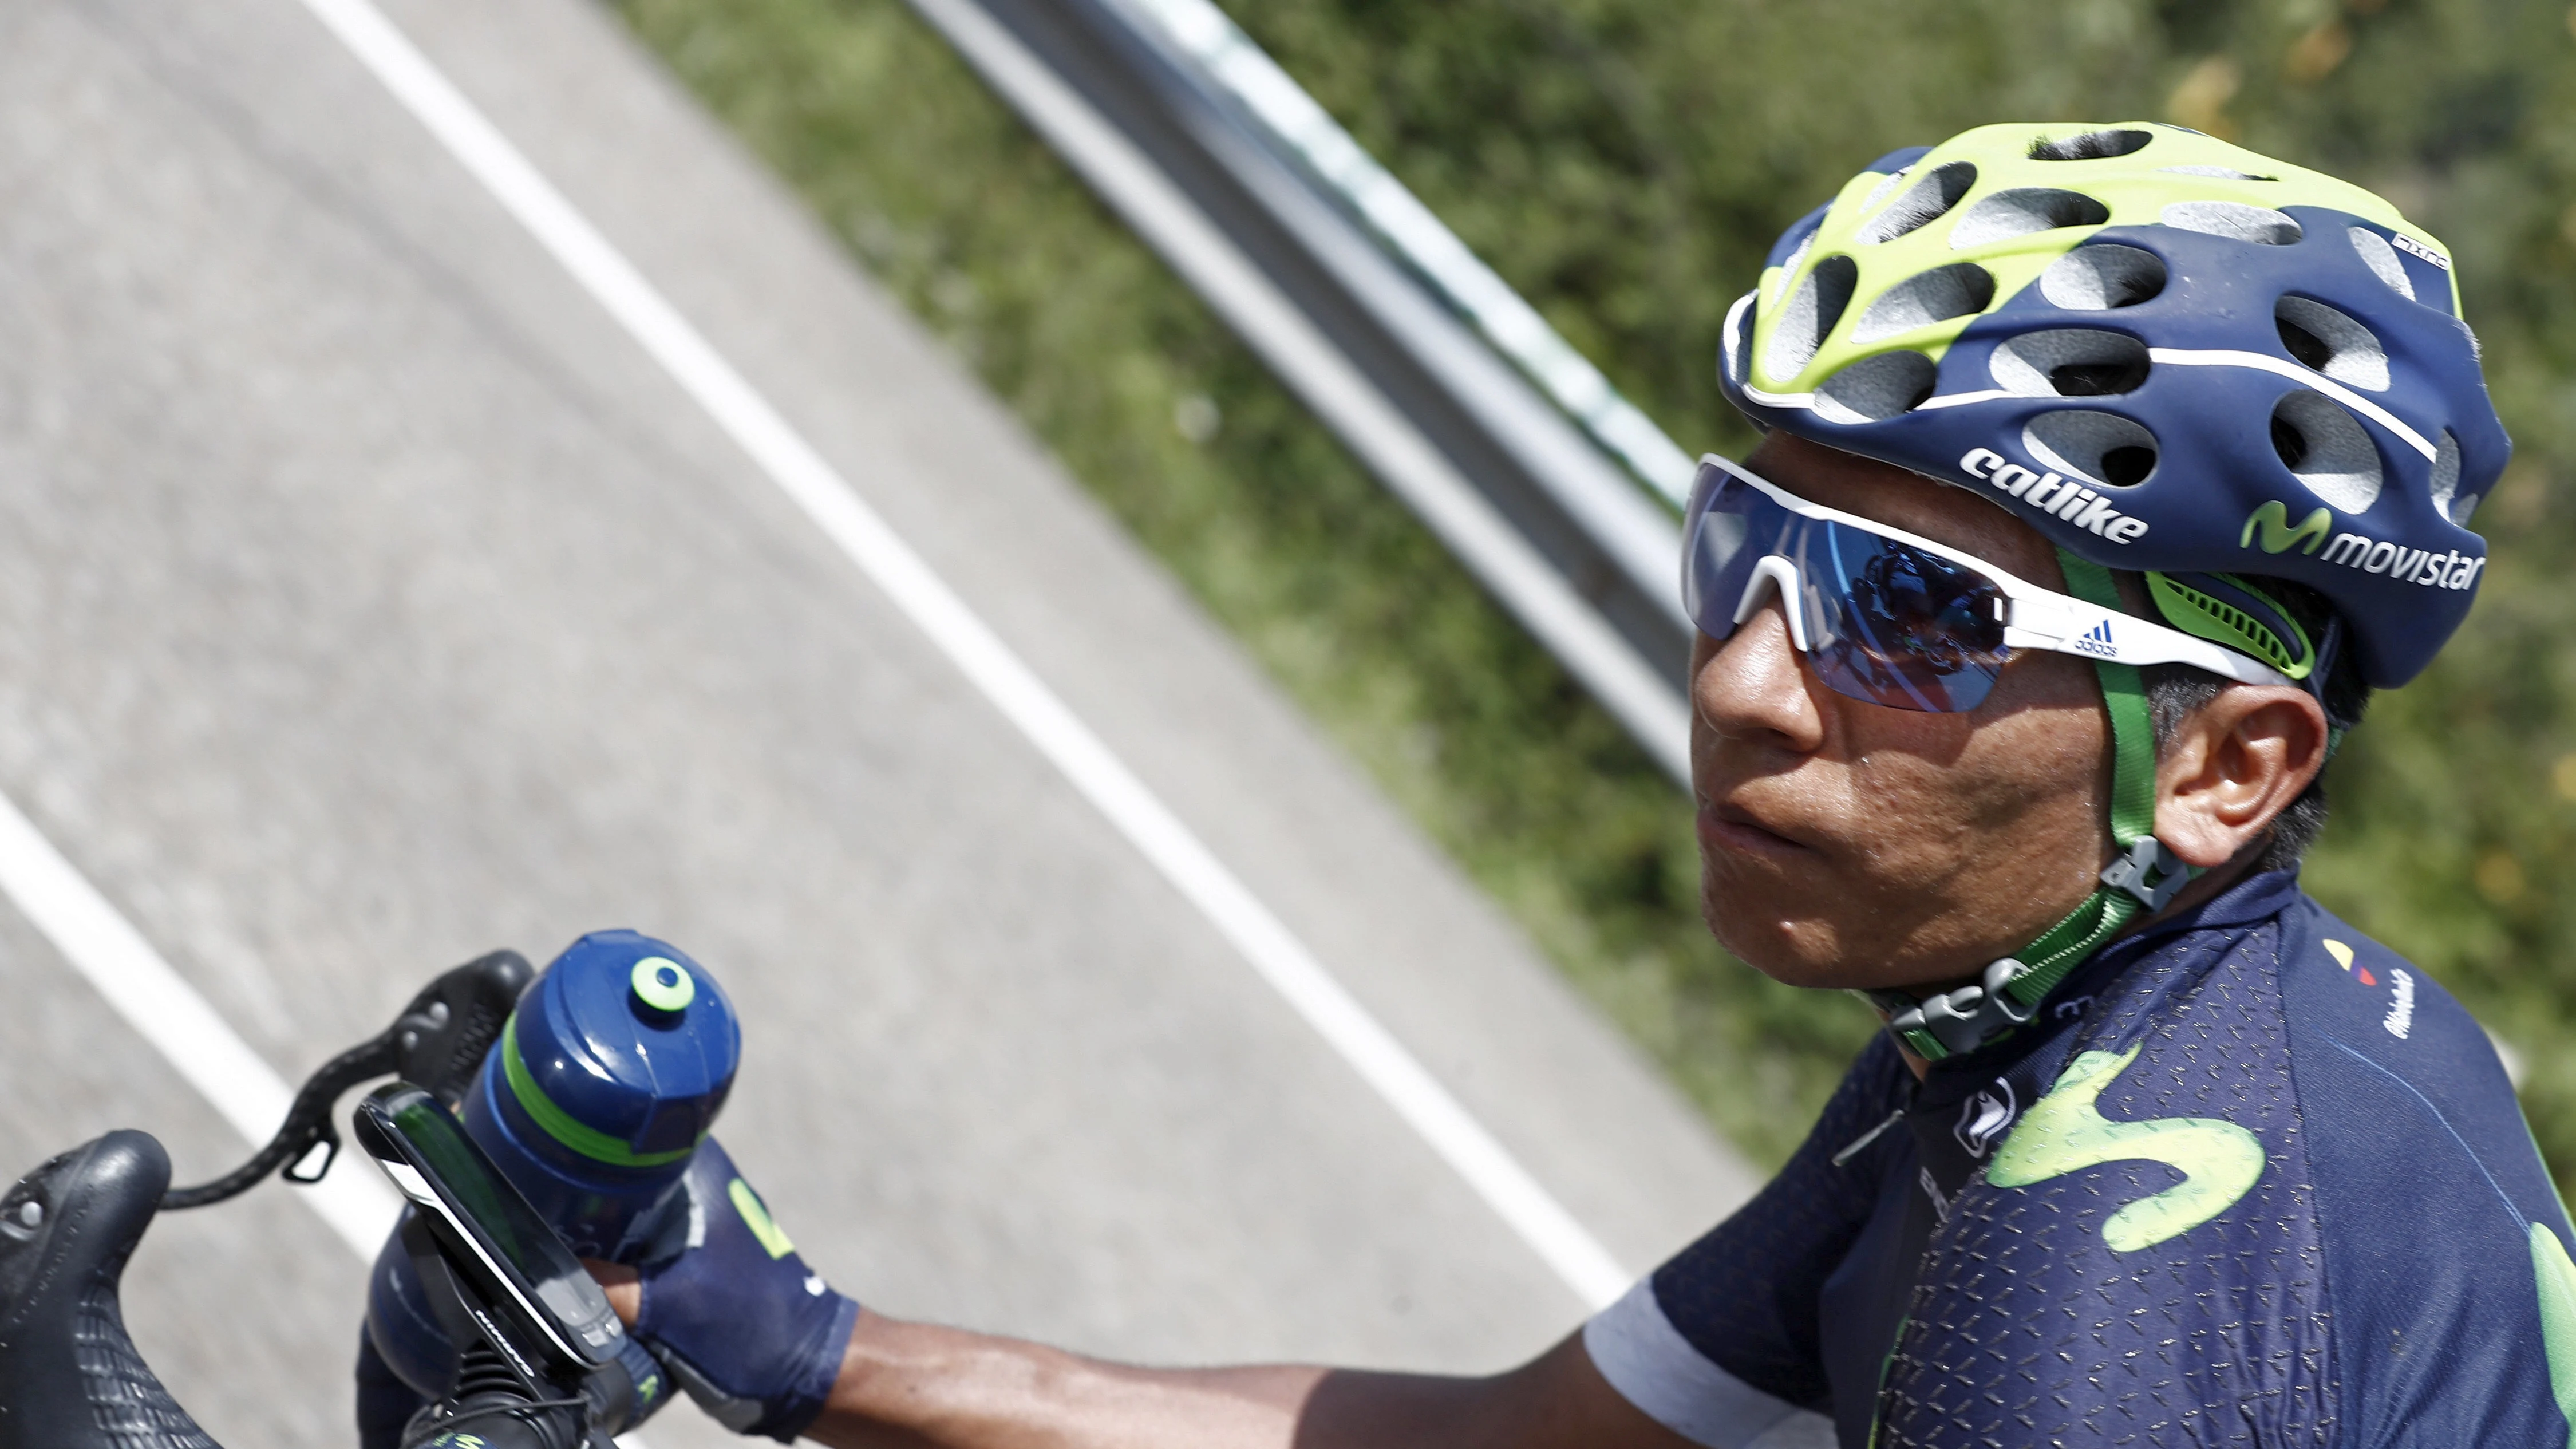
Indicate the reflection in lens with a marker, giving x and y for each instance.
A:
(1887, 623)
(1892, 624)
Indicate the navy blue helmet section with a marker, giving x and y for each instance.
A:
(2213, 404)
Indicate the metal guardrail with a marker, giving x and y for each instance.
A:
(1361, 302)
(1282, 109)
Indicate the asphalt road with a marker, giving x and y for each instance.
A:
(368, 600)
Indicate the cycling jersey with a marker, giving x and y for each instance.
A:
(2250, 1179)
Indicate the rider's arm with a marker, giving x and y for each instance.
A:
(913, 1384)
(1722, 1341)
(916, 1384)
(1718, 1347)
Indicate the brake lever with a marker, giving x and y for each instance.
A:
(437, 1042)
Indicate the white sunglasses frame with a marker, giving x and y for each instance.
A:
(2038, 619)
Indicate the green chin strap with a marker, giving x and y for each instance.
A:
(2144, 877)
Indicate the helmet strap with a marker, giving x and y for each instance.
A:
(2142, 879)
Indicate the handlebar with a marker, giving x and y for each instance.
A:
(70, 1375)
(436, 1043)
(68, 1372)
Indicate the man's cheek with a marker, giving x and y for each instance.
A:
(1903, 807)
(2031, 773)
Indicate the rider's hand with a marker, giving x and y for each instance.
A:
(750, 1332)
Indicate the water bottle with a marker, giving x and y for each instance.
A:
(610, 1069)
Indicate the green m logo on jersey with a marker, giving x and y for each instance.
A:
(2272, 520)
(2557, 1278)
(2064, 1132)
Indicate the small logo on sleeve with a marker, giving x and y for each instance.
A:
(2401, 1010)
(2343, 958)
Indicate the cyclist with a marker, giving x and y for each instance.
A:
(2108, 470)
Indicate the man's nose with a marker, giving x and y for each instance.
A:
(1753, 686)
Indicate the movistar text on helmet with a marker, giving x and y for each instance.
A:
(2269, 528)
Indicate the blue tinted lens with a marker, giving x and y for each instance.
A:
(1894, 625)
(1887, 623)
(1729, 528)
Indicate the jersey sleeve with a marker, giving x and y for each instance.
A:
(1648, 1361)
(1721, 1344)
(2444, 1241)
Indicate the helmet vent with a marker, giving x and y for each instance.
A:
(1875, 389)
(2234, 220)
(1961, 289)
(1923, 203)
(1886, 184)
(2332, 343)
(2102, 276)
(2382, 260)
(2446, 482)
(2091, 146)
(2070, 362)
(2326, 448)
(2024, 210)
(2103, 449)
(1810, 317)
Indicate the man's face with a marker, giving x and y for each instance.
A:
(1853, 845)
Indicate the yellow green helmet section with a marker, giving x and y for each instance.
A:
(2160, 351)
(1904, 262)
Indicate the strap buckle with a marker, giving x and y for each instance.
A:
(2149, 872)
(1956, 1022)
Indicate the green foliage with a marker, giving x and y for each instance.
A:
(1625, 163)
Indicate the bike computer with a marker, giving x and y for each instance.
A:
(487, 1227)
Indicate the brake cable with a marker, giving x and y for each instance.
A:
(437, 1043)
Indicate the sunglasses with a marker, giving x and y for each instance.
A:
(1888, 618)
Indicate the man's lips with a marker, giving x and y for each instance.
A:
(1724, 825)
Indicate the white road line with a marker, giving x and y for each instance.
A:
(828, 499)
(159, 1003)
(354, 1201)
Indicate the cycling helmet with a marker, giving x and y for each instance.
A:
(2167, 354)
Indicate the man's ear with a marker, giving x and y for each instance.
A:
(2233, 766)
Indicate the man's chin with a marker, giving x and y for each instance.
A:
(1781, 944)
(1768, 917)
(1791, 967)
(1789, 936)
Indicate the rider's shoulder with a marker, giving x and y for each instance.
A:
(2299, 992)
(2357, 1001)
(2438, 1210)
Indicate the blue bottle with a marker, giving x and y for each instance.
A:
(609, 1072)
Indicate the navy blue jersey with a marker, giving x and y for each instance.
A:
(2251, 1179)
